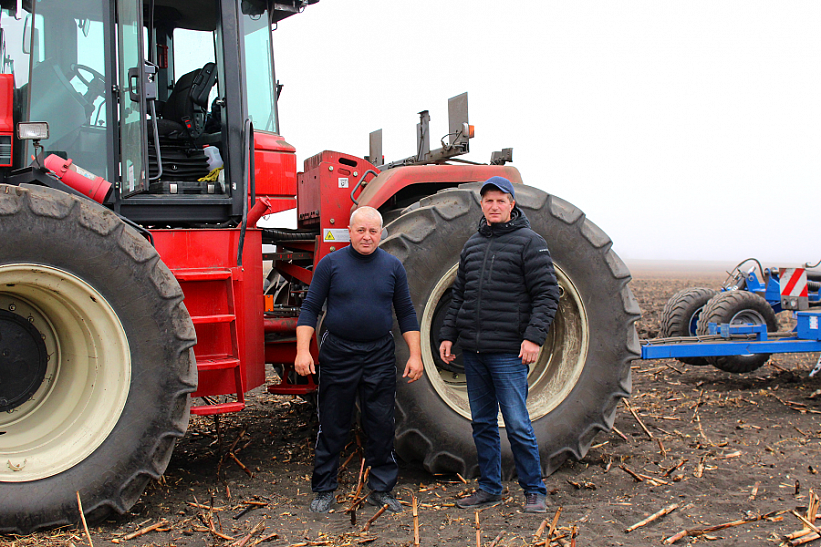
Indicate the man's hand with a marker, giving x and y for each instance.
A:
(444, 351)
(529, 352)
(304, 363)
(414, 369)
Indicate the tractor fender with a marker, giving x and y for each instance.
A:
(387, 184)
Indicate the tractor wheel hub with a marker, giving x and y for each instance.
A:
(23, 360)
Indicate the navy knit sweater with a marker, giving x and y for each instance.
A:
(360, 290)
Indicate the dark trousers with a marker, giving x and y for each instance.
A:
(351, 371)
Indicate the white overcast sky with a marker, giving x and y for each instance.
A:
(685, 129)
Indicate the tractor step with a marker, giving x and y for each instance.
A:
(212, 319)
(218, 364)
(210, 274)
(292, 389)
(222, 408)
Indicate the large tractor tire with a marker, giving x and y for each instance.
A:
(584, 367)
(680, 317)
(738, 308)
(96, 361)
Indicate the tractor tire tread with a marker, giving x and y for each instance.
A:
(20, 202)
(676, 315)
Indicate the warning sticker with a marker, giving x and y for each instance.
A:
(343, 182)
(334, 235)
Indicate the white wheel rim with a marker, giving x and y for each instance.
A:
(87, 379)
(551, 378)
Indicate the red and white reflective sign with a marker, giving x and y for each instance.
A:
(794, 282)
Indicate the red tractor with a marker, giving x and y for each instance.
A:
(136, 157)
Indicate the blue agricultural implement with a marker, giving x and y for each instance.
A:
(736, 328)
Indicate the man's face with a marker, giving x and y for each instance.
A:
(366, 232)
(497, 206)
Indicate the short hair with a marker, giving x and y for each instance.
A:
(365, 210)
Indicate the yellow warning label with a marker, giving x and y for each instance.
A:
(336, 235)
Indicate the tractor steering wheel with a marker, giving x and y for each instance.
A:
(95, 86)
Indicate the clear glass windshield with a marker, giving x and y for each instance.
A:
(259, 72)
(15, 56)
(67, 83)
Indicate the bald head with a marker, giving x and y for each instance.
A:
(363, 213)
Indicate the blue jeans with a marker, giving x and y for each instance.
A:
(494, 381)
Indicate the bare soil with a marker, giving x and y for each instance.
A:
(721, 447)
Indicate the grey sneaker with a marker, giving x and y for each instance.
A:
(534, 503)
(322, 502)
(385, 498)
(480, 498)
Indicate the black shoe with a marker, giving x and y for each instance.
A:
(480, 498)
(385, 498)
(322, 502)
(535, 503)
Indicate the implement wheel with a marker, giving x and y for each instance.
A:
(584, 367)
(680, 317)
(94, 331)
(738, 308)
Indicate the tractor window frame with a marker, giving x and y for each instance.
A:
(260, 84)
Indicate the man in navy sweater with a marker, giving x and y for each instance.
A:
(360, 284)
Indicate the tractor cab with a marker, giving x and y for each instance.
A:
(151, 96)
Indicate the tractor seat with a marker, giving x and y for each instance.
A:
(183, 115)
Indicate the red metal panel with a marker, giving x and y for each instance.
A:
(274, 166)
(206, 255)
(7, 104)
(326, 186)
(7, 112)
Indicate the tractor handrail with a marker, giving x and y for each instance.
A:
(360, 183)
(248, 148)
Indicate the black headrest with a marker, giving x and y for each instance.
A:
(203, 82)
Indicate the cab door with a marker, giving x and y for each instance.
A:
(132, 107)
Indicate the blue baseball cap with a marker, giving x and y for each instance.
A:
(498, 183)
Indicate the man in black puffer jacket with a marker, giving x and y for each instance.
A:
(504, 299)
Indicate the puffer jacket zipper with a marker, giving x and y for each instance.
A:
(479, 299)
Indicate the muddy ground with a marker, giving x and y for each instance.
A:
(718, 446)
